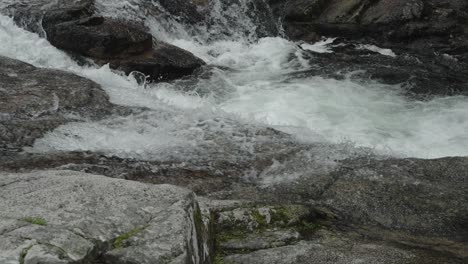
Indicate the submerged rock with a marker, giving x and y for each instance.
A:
(70, 217)
(35, 100)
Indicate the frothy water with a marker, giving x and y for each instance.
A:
(251, 84)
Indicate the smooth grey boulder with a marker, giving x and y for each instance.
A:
(35, 100)
(72, 217)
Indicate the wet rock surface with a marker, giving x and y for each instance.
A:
(204, 16)
(70, 217)
(164, 62)
(38, 15)
(34, 101)
(100, 38)
(393, 21)
(210, 169)
(419, 76)
(76, 27)
(429, 39)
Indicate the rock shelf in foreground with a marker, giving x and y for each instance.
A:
(72, 217)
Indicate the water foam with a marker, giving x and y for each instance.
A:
(251, 85)
(386, 52)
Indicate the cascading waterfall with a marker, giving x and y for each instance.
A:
(250, 82)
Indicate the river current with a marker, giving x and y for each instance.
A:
(250, 81)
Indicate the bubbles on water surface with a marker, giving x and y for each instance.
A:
(249, 83)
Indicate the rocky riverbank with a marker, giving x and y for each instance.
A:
(250, 193)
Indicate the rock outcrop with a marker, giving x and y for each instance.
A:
(420, 76)
(401, 205)
(70, 217)
(408, 202)
(34, 101)
(428, 38)
(443, 22)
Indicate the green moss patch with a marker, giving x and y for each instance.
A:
(118, 242)
(248, 223)
(35, 220)
(259, 218)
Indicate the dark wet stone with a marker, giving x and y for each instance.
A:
(34, 100)
(164, 62)
(100, 38)
(420, 76)
(385, 19)
(128, 46)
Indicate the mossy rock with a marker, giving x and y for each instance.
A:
(35, 220)
(119, 241)
(246, 229)
(252, 218)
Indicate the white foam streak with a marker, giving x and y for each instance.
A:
(322, 46)
(22, 45)
(147, 136)
(385, 52)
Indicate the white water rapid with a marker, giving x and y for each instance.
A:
(250, 83)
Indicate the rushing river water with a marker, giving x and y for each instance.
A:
(250, 82)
